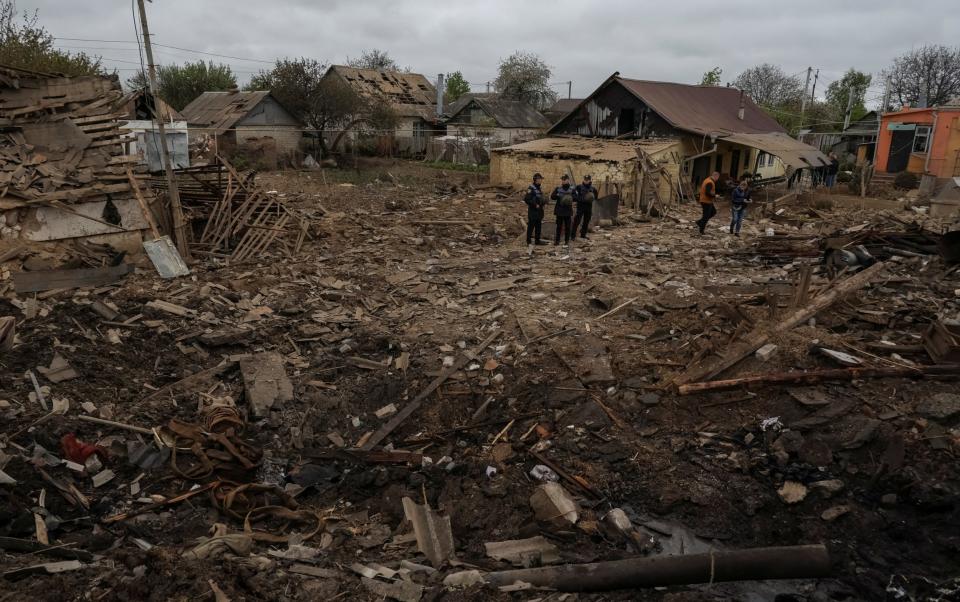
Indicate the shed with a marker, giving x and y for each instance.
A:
(237, 119)
(561, 109)
(498, 120)
(613, 164)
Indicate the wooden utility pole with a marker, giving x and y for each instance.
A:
(813, 91)
(179, 224)
(846, 116)
(803, 102)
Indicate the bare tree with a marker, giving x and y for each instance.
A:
(375, 59)
(524, 76)
(769, 86)
(930, 71)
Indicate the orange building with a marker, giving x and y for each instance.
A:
(921, 141)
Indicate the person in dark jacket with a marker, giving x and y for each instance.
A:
(535, 203)
(830, 179)
(586, 195)
(738, 206)
(564, 195)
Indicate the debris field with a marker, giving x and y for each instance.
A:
(395, 398)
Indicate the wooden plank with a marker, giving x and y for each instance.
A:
(760, 335)
(31, 282)
(415, 404)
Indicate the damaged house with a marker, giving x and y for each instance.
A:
(252, 122)
(498, 120)
(63, 167)
(412, 97)
(719, 128)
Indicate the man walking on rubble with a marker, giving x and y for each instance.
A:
(564, 195)
(708, 193)
(586, 195)
(738, 206)
(535, 202)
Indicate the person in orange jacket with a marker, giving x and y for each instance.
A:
(708, 193)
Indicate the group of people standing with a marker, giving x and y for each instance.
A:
(565, 197)
(581, 197)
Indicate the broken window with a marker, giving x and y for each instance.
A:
(921, 139)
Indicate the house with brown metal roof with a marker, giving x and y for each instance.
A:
(721, 128)
(497, 120)
(235, 119)
(410, 95)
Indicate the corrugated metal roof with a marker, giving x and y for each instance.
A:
(506, 113)
(564, 105)
(591, 149)
(410, 94)
(702, 109)
(792, 152)
(221, 110)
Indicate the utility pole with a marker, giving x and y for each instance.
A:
(179, 225)
(803, 103)
(813, 91)
(886, 96)
(569, 89)
(488, 87)
(846, 116)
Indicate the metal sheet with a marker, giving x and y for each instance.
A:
(164, 256)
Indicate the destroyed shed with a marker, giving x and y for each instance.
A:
(498, 120)
(615, 165)
(63, 167)
(721, 129)
(253, 124)
(410, 95)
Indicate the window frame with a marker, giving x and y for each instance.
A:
(927, 134)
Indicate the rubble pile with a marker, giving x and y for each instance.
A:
(408, 404)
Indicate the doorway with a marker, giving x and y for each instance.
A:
(901, 143)
(734, 163)
(625, 124)
(701, 169)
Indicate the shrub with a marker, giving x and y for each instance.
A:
(906, 180)
(844, 176)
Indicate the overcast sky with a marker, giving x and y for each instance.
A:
(582, 41)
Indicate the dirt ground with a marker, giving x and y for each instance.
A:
(383, 296)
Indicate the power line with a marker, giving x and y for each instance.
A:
(227, 56)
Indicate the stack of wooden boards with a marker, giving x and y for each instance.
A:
(62, 157)
(231, 217)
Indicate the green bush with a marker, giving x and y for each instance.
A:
(844, 176)
(906, 180)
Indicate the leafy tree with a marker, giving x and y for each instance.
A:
(179, 85)
(456, 86)
(322, 103)
(712, 77)
(931, 69)
(838, 94)
(26, 44)
(524, 76)
(769, 86)
(374, 59)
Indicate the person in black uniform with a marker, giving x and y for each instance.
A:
(535, 203)
(564, 195)
(586, 195)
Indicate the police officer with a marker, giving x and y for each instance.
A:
(564, 195)
(586, 195)
(535, 203)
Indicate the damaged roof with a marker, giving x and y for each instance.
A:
(410, 94)
(221, 111)
(590, 149)
(702, 109)
(506, 113)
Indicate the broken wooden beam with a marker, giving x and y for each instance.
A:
(762, 333)
(786, 562)
(31, 282)
(415, 404)
(812, 377)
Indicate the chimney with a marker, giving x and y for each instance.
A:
(439, 94)
(740, 110)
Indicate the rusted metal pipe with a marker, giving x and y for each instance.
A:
(787, 562)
